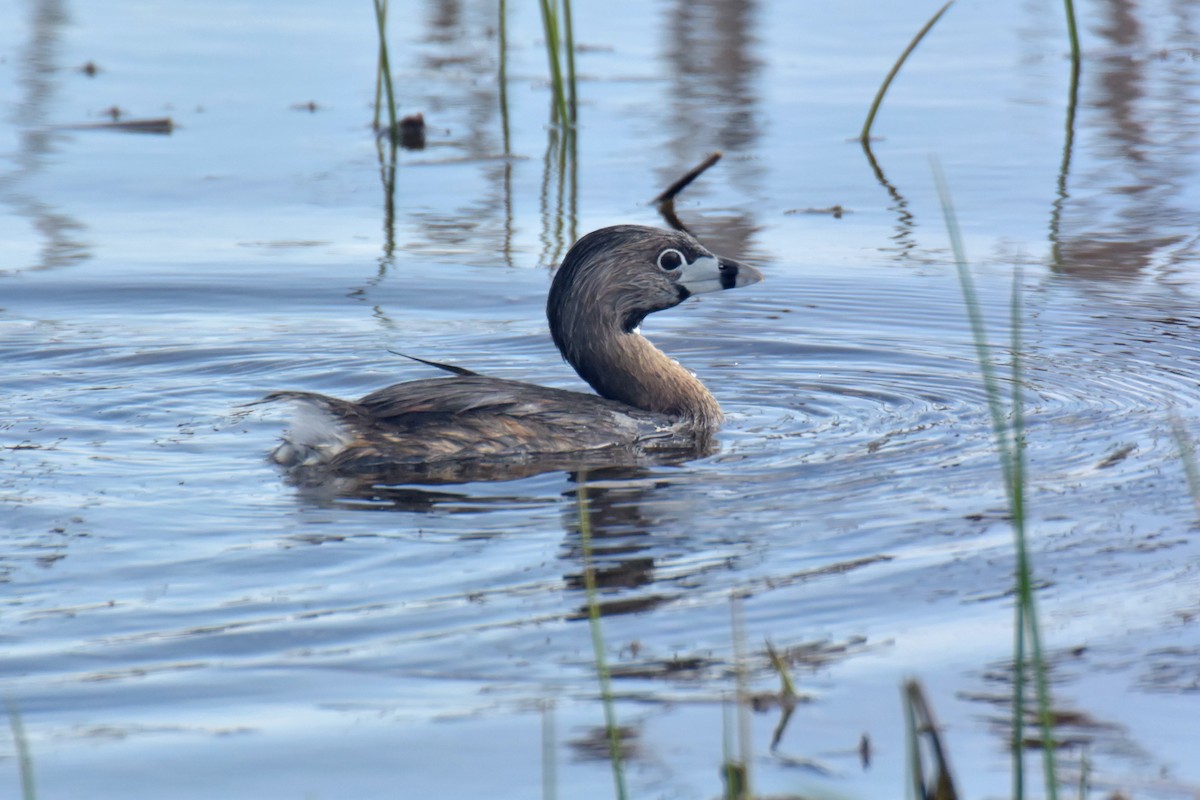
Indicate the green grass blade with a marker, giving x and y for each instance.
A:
(569, 41)
(24, 757)
(602, 671)
(503, 76)
(549, 760)
(1073, 34)
(1010, 444)
(550, 26)
(745, 739)
(1187, 455)
(384, 73)
(866, 131)
(1060, 199)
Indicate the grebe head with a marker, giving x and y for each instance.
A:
(613, 277)
(607, 284)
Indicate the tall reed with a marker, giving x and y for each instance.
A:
(865, 136)
(21, 744)
(602, 671)
(1009, 436)
(560, 37)
(383, 74)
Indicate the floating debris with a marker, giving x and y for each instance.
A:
(837, 211)
(159, 125)
(412, 131)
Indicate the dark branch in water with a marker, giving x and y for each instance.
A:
(666, 200)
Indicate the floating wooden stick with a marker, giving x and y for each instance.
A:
(666, 200)
(681, 184)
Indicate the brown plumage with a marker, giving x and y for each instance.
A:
(469, 426)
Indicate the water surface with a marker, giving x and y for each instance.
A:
(180, 620)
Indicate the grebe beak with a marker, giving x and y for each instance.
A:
(715, 273)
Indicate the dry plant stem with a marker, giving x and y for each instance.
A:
(691, 175)
(866, 131)
(602, 673)
(920, 721)
(666, 200)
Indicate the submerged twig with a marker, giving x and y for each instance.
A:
(866, 131)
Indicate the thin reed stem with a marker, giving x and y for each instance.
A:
(602, 671)
(1187, 454)
(744, 736)
(1010, 443)
(1073, 34)
(569, 41)
(550, 25)
(549, 761)
(21, 745)
(384, 73)
(866, 131)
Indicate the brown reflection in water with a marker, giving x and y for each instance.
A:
(1124, 214)
(619, 511)
(713, 106)
(37, 70)
(903, 237)
(1077, 730)
(559, 195)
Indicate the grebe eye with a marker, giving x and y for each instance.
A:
(670, 260)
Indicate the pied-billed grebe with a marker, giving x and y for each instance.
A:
(609, 281)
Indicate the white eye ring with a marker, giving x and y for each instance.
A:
(670, 260)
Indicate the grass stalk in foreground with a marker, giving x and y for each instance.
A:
(740, 769)
(1010, 443)
(1187, 454)
(21, 744)
(865, 136)
(602, 672)
(549, 764)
